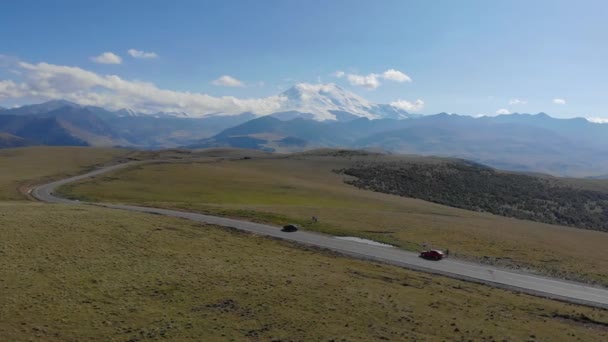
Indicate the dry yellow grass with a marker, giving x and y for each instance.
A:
(294, 188)
(80, 273)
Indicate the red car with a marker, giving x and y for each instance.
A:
(432, 254)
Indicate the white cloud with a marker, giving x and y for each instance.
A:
(227, 81)
(9, 89)
(503, 111)
(141, 54)
(45, 81)
(514, 102)
(559, 101)
(598, 120)
(372, 81)
(408, 106)
(107, 58)
(396, 75)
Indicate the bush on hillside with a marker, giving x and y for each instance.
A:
(476, 187)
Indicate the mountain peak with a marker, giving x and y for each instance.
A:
(323, 101)
(324, 97)
(60, 103)
(44, 107)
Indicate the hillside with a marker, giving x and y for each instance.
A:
(512, 144)
(270, 134)
(575, 129)
(24, 166)
(62, 123)
(475, 187)
(39, 130)
(8, 140)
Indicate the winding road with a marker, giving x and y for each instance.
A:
(521, 282)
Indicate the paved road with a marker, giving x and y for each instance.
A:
(527, 283)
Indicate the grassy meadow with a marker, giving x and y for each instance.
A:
(293, 188)
(82, 273)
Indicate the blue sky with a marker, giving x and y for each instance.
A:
(468, 57)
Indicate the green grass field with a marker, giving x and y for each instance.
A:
(80, 273)
(19, 167)
(292, 189)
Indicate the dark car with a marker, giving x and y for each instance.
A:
(432, 254)
(290, 228)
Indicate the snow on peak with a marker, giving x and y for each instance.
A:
(320, 99)
(597, 120)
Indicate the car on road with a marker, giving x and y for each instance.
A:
(290, 228)
(432, 254)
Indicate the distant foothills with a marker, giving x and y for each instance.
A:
(326, 116)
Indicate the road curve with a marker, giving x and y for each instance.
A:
(521, 282)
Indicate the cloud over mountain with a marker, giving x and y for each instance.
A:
(408, 106)
(372, 81)
(45, 81)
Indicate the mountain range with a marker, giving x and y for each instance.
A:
(64, 123)
(314, 116)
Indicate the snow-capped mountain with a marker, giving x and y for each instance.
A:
(330, 102)
(320, 102)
